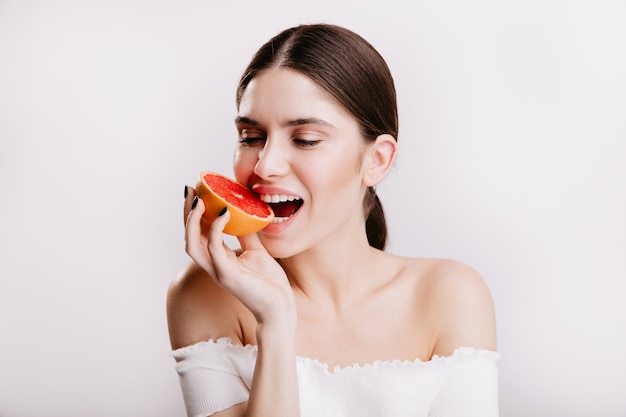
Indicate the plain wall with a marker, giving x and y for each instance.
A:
(511, 159)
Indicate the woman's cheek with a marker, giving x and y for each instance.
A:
(243, 165)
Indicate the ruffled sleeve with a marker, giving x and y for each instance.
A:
(469, 386)
(214, 375)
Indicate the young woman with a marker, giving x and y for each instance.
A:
(311, 317)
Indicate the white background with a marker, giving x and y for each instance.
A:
(512, 159)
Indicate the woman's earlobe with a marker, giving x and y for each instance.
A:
(380, 158)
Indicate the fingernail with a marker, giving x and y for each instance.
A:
(223, 211)
(186, 191)
(194, 203)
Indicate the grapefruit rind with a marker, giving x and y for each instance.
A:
(241, 222)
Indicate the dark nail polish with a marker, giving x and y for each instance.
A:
(186, 191)
(194, 203)
(223, 211)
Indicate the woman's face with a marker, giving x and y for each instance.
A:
(302, 152)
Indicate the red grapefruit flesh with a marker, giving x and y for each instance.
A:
(248, 213)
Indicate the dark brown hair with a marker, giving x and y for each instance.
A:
(353, 72)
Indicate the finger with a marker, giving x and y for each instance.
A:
(194, 243)
(190, 193)
(220, 253)
(250, 242)
(193, 226)
(216, 239)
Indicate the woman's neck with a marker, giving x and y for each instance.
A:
(333, 272)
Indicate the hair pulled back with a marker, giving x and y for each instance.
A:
(351, 70)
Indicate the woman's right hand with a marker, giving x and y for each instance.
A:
(253, 276)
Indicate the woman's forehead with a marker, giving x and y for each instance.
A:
(292, 97)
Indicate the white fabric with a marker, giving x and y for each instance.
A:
(215, 375)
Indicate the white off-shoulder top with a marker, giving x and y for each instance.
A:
(217, 374)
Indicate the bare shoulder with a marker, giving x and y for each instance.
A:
(199, 309)
(460, 305)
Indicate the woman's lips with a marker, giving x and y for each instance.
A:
(284, 203)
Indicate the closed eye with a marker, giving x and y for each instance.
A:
(252, 142)
(251, 137)
(303, 143)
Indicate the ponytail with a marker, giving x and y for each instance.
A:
(375, 223)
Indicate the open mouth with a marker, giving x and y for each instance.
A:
(284, 206)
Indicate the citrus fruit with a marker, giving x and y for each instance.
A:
(248, 214)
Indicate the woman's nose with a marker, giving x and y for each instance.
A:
(272, 161)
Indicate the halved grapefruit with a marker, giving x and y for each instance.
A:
(248, 214)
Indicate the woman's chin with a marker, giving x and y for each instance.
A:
(276, 239)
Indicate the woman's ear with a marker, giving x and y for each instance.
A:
(379, 157)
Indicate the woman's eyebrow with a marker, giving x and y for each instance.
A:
(246, 120)
(308, 121)
(296, 122)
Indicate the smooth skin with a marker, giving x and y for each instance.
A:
(313, 286)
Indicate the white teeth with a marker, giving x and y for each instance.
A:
(277, 198)
(279, 219)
